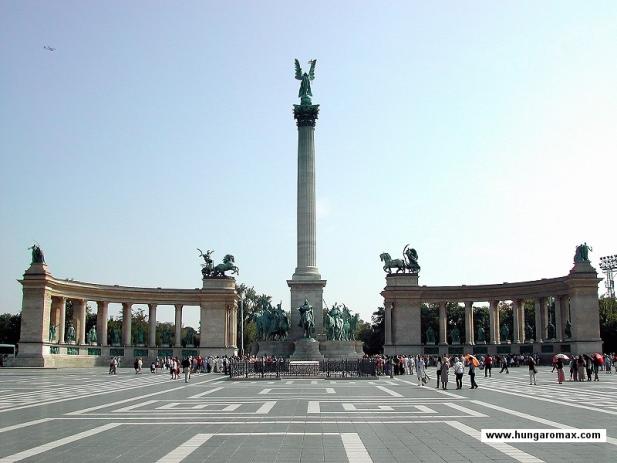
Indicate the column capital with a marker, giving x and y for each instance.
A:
(306, 115)
(152, 306)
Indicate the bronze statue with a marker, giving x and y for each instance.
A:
(505, 333)
(430, 335)
(227, 265)
(409, 262)
(550, 329)
(52, 332)
(456, 335)
(568, 329)
(389, 263)
(208, 265)
(582, 253)
(37, 254)
(528, 331)
(481, 334)
(305, 93)
(307, 322)
(70, 333)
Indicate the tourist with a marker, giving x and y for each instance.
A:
(588, 366)
(559, 365)
(504, 365)
(596, 367)
(445, 365)
(488, 366)
(438, 372)
(153, 367)
(573, 369)
(472, 375)
(532, 370)
(420, 371)
(580, 367)
(459, 370)
(111, 366)
(186, 369)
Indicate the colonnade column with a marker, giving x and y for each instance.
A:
(545, 318)
(443, 323)
(79, 319)
(469, 330)
(538, 316)
(565, 315)
(521, 320)
(558, 318)
(178, 321)
(61, 319)
(492, 309)
(516, 326)
(102, 310)
(202, 325)
(388, 323)
(152, 325)
(126, 323)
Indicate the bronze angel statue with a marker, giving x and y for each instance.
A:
(305, 93)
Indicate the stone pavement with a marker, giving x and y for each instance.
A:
(88, 416)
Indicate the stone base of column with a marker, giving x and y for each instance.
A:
(312, 290)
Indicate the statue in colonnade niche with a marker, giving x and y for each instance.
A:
(70, 333)
(52, 332)
(582, 253)
(550, 329)
(91, 336)
(504, 333)
(481, 335)
(430, 335)
(37, 254)
(165, 337)
(528, 331)
(115, 337)
(139, 335)
(568, 330)
(456, 335)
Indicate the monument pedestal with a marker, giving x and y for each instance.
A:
(311, 290)
(340, 350)
(275, 348)
(307, 349)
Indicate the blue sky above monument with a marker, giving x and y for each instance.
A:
(479, 134)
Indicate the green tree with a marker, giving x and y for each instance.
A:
(608, 323)
(374, 338)
(10, 325)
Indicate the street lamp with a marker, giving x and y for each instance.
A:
(608, 264)
(242, 325)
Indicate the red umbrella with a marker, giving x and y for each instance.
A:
(599, 358)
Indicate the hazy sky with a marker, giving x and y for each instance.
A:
(483, 134)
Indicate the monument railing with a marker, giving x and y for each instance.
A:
(284, 368)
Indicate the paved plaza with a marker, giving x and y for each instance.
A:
(88, 416)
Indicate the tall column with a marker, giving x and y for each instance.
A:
(545, 318)
(443, 323)
(178, 340)
(388, 323)
(516, 327)
(538, 316)
(469, 330)
(492, 309)
(102, 314)
(558, 318)
(521, 321)
(61, 319)
(126, 323)
(202, 325)
(79, 320)
(56, 314)
(152, 325)
(497, 324)
(565, 315)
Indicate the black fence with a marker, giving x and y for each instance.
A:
(284, 368)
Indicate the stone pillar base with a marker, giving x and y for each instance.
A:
(307, 349)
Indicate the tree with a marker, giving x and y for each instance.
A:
(10, 324)
(608, 323)
(374, 338)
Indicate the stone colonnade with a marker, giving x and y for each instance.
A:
(44, 305)
(575, 299)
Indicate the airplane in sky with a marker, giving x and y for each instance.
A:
(46, 47)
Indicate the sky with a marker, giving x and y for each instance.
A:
(481, 133)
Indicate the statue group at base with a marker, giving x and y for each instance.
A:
(339, 324)
(271, 322)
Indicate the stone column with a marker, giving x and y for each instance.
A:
(178, 321)
(126, 323)
(516, 324)
(61, 318)
(57, 310)
(538, 315)
(492, 310)
(388, 323)
(497, 324)
(152, 325)
(202, 324)
(558, 318)
(521, 321)
(565, 315)
(79, 320)
(469, 329)
(102, 314)
(443, 323)
(545, 317)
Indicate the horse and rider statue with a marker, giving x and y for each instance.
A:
(307, 320)
(339, 324)
(209, 270)
(271, 322)
(409, 262)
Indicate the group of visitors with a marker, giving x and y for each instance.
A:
(582, 367)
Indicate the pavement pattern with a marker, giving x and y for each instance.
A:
(86, 415)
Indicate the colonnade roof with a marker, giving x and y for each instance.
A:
(401, 286)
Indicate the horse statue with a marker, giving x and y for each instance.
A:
(307, 321)
(227, 265)
(412, 259)
(389, 263)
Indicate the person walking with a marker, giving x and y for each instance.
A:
(504, 365)
(459, 370)
(186, 369)
(445, 366)
(580, 366)
(532, 370)
(472, 375)
(420, 370)
(560, 376)
(438, 372)
(488, 366)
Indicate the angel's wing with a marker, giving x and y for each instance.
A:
(201, 253)
(312, 71)
(298, 71)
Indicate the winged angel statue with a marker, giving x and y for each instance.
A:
(305, 93)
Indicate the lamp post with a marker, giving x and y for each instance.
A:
(608, 264)
(242, 326)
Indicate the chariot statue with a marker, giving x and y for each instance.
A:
(582, 253)
(409, 262)
(37, 254)
(208, 266)
(305, 93)
(226, 266)
(307, 321)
